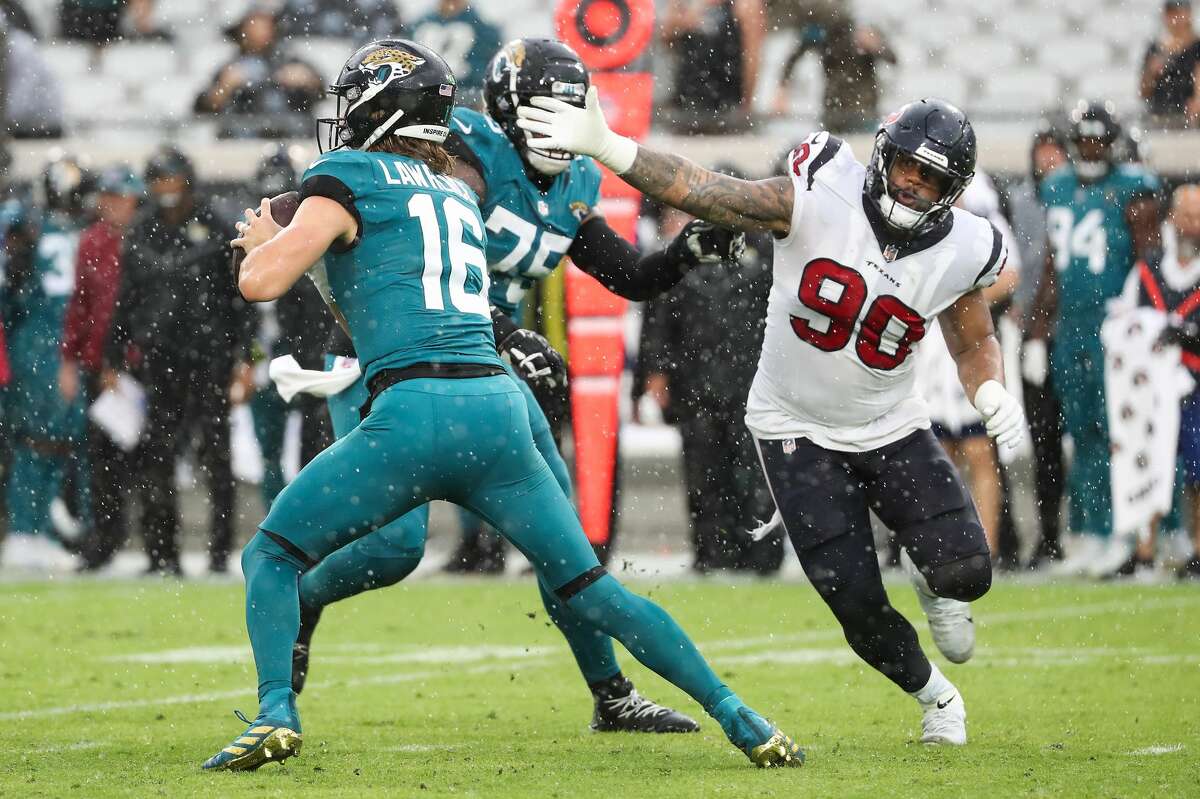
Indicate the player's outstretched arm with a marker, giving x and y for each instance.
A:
(676, 181)
(605, 255)
(971, 339)
(276, 257)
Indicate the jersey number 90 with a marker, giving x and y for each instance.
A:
(819, 292)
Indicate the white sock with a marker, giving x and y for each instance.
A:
(936, 688)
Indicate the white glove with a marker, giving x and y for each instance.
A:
(1002, 414)
(1035, 366)
(552, 124)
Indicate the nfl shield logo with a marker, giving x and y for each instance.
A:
(543, 209)
(789, 446)
(890, 252)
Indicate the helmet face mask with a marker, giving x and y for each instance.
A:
(392, 87)
(935, 141)
(527, 68)
(1091, 145)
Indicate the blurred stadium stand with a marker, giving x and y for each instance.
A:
(1003, 61)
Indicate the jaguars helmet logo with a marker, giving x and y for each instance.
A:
(512, 55)
(390, 63)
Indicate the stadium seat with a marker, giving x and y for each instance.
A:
(88, 102)
(982, 55)
(1031, 27)
(1076, 55)
(69, 60)
(908, 85)
(139, 59)
(1019, 91)
(325, 55)
(1118, 85)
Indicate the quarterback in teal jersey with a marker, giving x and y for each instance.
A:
(1101, 217)
(537, 207)
(401, 245)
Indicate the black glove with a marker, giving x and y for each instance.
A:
(1182, 333)
(703, 242)
(532, 357)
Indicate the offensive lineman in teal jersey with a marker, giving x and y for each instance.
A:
(45, 430)
(537, 207)
(1101, 217)
(404, 269)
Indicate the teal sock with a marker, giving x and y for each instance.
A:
(593, 650)
(272, 611)
(650, 635)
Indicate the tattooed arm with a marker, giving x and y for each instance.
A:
(722, 200)
(726, 201)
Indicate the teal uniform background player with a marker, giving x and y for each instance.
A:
(537, 208)
(445, 422)
(44, 430)
(1093, 210)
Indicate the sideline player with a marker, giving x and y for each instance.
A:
(443, 420)
(537, 207)
(866, 258)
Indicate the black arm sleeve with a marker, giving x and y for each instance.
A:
(331, 188)
(502, 326)
(602, 253)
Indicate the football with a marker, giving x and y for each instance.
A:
(283, 208)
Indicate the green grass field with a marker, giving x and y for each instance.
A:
(463, 689)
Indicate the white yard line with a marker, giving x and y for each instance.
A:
(244, 693)
(1157, 750)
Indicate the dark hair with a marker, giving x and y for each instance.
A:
(432, 153)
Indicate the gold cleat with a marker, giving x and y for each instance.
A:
(256, 746)
(779, 750)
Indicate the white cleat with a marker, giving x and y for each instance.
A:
(945, 720)
(950, 620)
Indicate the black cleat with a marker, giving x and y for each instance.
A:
(308, 625)
(1045, 553)
(1191, 569)
(620, 708)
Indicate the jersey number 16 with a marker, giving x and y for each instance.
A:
(819, 292)
(460, 218)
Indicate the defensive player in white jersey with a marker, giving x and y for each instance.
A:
(866, 258)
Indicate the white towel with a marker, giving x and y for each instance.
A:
(291, 379)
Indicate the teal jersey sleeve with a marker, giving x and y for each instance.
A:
(413, 286)
(529, 229)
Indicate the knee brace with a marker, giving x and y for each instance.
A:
(966, 579)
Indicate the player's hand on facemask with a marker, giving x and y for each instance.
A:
(703, 242)
(553, 124)
(534, 359)
(1002, 414)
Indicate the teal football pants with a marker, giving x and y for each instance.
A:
(389, 554)
(467, 442)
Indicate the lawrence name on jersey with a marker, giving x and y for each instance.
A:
(867, 257)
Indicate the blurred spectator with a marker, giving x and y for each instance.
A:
(33, 106)
(699, 374)
(17, 17)
(183, 332)
(1170, 68)
(1101, 217)
(463, 38)
(1171, 283)
(1042, 410)
(850, 54)
(44, 428)
(360, 20)
(717, 46)
(104, 21)
(263, 92)
(89, 317)
(297, 324)
(956, 423)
